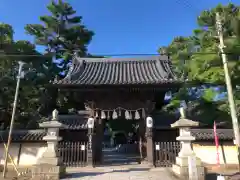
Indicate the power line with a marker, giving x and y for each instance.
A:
(111, 55)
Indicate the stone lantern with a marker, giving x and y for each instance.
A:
(181, 167)
(50, 164)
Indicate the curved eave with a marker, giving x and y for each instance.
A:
(110, 73)
(160, 86)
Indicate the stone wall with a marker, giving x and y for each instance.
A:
(28, 153)
(23, 154)
(207, 152)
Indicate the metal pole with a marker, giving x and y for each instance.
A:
(12, 119)
(229, 85)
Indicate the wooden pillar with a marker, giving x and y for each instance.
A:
(149, 137)
(142, 139)
(150, 149)
(98, 141)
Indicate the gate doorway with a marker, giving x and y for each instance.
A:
(121, 142)
(119, 133)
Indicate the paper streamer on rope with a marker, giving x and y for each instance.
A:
(127, 116)
(114, 115)
(117, 113)
(103, 115)
(137, 115)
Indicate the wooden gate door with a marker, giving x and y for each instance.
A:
(73, 154)
(166, 153)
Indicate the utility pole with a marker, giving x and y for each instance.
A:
(12, 119)
(229, 85)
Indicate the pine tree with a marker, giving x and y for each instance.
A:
(203, 64)
(62, 33)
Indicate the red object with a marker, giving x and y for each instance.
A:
(216, 142)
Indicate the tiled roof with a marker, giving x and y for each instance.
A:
(74, 121)
(23, 135)
(208, 134)
(164, 121)
(120, 71)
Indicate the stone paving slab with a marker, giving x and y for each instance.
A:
(119, 173)
(125, 172)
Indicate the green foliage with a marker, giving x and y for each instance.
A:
(197, 59)
(28, 102)
(62, 32)
(209, 95)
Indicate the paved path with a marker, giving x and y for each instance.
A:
(127, 172)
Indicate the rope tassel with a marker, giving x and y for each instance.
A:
(127, 116)
(137, 115)
(103, 115)
(114, 115)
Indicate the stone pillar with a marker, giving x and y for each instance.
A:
(90, 153)
(149, 136)
(181, 168)
(50, 164)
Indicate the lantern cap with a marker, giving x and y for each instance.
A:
(183, 122)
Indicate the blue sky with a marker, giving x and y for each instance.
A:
(120, 26)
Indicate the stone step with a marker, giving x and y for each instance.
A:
(118, 159)
(126, 156)
(119, 154)
(115, 157)
(121, 157)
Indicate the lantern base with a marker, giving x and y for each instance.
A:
(181, 168)
(48, 170)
